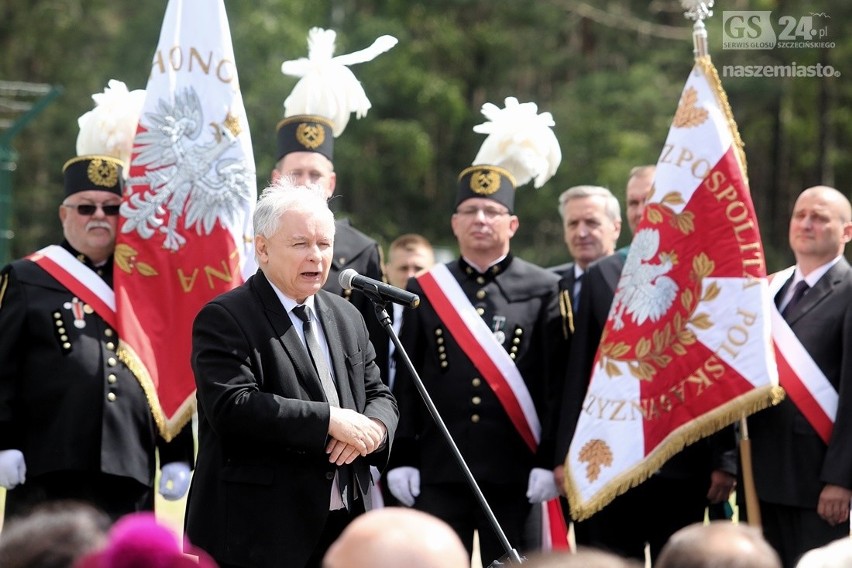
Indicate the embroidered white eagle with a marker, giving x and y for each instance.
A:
(644, 291)
(186, 173)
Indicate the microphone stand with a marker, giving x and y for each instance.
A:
(379, 305)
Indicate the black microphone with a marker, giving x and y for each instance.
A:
(350, 279)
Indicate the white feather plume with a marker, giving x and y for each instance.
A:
(109, 128)
(519, 140)
(327, 87)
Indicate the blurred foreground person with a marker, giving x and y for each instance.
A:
(396, 537)
(52, 535)
(717, 544)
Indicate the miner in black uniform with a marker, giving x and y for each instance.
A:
(75, 423)
(513, 317)
(315, 113)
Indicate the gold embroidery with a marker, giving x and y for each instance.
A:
(310, 136)
(485, 182)
(102, 172)
(689, 115)
(126, 260)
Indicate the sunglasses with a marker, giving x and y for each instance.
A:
(87, 209)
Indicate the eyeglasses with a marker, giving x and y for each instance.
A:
(490, 213)
(87, 209)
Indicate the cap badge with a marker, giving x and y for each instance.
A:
(102, 172)
(310, 136)
(485, 182)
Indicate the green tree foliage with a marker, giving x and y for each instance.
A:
(610, 72)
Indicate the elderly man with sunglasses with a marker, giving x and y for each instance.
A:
(75, 423)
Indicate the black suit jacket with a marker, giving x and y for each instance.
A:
(791, 462)
(599, 283)
(260, 494)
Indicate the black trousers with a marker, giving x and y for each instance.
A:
(114, 495)
(456, 504)
(792, 531)
(646, 514)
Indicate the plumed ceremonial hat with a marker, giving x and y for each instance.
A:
(105, 141)
(520, 147)
(317, 110)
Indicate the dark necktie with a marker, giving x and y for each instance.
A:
(344, 474)
(317, 356)
(798, 292)
(575, 297)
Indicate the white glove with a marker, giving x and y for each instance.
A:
(174, 480)
(13, 469)
(404, 484)
(541, 486)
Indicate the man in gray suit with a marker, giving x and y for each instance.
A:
(803, 483)
(291, 406)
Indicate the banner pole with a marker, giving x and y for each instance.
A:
(752, 506)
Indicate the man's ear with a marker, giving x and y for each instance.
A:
(260, 248)
(332, 183)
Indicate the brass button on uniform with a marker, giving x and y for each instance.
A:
(110, 345)
(66, 345)
(108, 332)
(480, 311)
(476, 381)
(476, 400)
(480, 294)
(474, 418)
(112, 379)
(480, 280)
(111, 397)
(443, 364)
(111, 362)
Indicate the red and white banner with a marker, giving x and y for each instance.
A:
(687, 346)
(185, 228)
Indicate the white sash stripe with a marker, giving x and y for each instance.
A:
(486, 339)
(81, 273)
(797, 356)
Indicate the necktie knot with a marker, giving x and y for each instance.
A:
(302, 313)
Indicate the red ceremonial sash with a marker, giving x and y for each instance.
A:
(501, 374)
(805, 383)
(79, 279)
(478, 343)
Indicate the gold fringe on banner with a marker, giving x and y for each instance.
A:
(168, 428)
(701, 427)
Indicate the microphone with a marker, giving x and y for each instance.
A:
(350, 279)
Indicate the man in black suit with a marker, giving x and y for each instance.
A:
(804, 484)
(703, 471)
(291, 412)
(591, 223)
